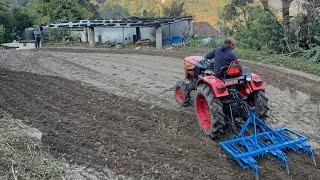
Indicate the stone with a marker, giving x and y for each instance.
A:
(32, 133)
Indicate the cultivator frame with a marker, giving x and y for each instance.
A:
(264, 141)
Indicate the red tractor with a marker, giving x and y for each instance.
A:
(221, 102)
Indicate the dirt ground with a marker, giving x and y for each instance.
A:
(119, 113)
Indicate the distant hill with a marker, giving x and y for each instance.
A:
(203, 10)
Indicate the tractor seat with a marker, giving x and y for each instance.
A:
(231, 71)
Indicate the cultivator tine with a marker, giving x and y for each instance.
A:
(314, 160)
(280, 155)
(308, 150)
(252, 164)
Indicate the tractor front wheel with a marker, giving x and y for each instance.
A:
(209, 111)
(182, 93)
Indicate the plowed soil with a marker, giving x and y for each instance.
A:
(95, 120)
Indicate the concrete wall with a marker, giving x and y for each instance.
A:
(117, 35)
(125, 35)
(148, 33)
(177, 29)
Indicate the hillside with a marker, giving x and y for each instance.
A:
(203, 10)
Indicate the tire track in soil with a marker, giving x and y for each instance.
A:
(272, 75)
(93, 128)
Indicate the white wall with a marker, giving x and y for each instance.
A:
(125, 35)
(148, 33)
(116, 35)
(177, 29)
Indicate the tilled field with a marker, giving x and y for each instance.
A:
(137, 130)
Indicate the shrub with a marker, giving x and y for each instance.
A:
(57, 35)
(175, 9)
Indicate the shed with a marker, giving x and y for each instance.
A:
(126, 31)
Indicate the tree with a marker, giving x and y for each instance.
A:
(286, 21)
(46, 11)
(176, 9)
(242, 5)
(110, 10)
(306, 25)
(265, 4)
(5, 21)
(20, 20)
(14, 21)
(286, 12)
(254, 27)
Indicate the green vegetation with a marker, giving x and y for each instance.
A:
(109, 10)
(259, 28)
(292, 42)
(17, 15)
(60, 10)
(175, 9)
(14, 21)
(21, 156)
(298, 63)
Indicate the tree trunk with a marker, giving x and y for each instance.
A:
(286, 12)
(286, 20)
(265, 4)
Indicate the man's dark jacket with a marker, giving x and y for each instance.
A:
(223, 56)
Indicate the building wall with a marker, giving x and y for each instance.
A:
(125, 35)
(177, 29)
(116, 35)
(148, 33)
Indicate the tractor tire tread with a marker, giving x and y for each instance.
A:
(262, 105)
(216, 110)
(187, 96)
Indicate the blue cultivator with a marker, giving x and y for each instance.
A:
(265, 141)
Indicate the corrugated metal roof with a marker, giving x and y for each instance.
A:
(130, 22)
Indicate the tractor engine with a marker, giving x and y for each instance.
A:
(195, 66)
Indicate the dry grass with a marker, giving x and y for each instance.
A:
(21, 157)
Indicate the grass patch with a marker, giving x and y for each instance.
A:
(21, 157)
(305, 65)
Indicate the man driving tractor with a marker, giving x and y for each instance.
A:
(223, 55)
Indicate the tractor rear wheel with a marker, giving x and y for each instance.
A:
(209, 111)
(182, 93)
(260, 101)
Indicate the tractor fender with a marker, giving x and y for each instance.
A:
(255, 84)
(217, 86)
